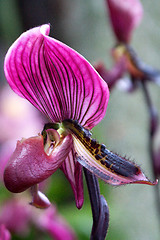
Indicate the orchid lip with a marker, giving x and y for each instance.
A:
(29, 164)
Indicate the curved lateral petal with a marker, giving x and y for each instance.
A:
(30, 165)
(73, 171)
(108, 166)
(55, 78)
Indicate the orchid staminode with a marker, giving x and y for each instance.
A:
(65, 87)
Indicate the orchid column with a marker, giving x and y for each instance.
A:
(61, 84)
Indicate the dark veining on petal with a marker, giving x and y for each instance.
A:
(67, 80)
(80, 80)
(25, 91)
(36, 86)
(55, 80)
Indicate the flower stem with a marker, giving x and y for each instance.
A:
(100, 210)
(152, 129)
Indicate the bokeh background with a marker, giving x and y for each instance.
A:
(84, 25)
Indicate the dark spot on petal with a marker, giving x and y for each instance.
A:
(93, 143)
(103, 147)
(103, 154)
(98, 157)
(121, 166)
(97, 151)
(87, 139)
(103, 162)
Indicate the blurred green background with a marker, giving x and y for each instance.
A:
(84, 25)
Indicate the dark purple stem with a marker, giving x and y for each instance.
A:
(100, 210)
(153, 128)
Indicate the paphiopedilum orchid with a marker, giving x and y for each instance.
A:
(65, 87)
(125, 16)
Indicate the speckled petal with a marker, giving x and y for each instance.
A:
(108, 166)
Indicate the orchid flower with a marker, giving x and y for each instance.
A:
(124, 16)
(63, 85)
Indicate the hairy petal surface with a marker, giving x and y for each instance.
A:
(125, 16)
(106, 165)
(73, 171)
(115, 170)
(55, 78)
(30, 165)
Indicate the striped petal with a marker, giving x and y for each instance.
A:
(30, 164)
(55, 78)
(73, 171)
